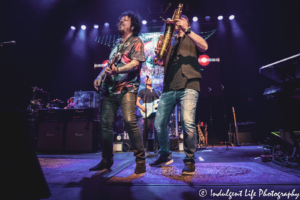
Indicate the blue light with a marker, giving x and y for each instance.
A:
(96, 26)
(220, 17)
(83, 27)
(106, 24)
(231, 17)
(73, 27)
(207, 18)
(195, 19)
(144, 22)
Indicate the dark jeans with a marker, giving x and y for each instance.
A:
(110, 106)
(188, 99)
(149, 119)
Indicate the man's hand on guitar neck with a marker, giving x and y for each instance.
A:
(110, 71)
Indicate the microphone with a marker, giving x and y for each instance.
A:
(8, 42)
(209, 89)
(147, 76)
(222, 86)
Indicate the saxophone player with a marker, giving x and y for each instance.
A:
(181, 83)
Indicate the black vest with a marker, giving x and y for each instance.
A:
(188, 57)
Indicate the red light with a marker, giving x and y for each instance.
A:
(203, 60)
(105, 62)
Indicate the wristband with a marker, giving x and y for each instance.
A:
(188, 31)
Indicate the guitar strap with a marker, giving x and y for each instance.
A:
(125, 45)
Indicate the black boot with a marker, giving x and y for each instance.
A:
(140, 168)
(104, 164)
(189, 168)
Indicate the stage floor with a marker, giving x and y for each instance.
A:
(220, 171)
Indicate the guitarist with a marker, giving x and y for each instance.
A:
(148, 95)
(122, 87)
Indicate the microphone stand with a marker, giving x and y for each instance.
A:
(225, 121)
(145, 119)
(210, 113)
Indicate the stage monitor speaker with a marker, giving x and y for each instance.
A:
(82, 136)
(20, 170)
(50, 136)
(127, 144)
(174, 143)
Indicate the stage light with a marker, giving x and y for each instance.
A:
(231, 17)
(144, 22)
(207, 18)
(73, 27)
(96, 26)
(220, 17)
(83, 27)
(106, 24)
(119, 138)
(181, 136)
(195, 19)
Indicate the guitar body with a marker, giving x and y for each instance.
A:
(150, 107)
(106, 79)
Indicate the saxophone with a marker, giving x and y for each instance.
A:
(164, 41)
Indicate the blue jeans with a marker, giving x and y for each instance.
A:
(188, 100)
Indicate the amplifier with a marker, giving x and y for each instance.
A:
(87, 113)
(246, 133)
(67, 114)
(50, 136)
(82, 136)
(45, 114)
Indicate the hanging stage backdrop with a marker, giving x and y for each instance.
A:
(209, 62)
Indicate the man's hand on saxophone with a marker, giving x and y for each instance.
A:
(182, 25)
(156, 51)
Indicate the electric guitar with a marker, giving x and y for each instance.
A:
(150, 107)
(105, 78)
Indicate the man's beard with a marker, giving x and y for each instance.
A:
(121, 32)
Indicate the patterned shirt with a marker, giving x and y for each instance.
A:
(128, 81)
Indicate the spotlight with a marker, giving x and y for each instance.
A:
(220, 17)
(83, 27)
(207, 18)
(106, 24)
(119, 138)
(231, 17)
(144, 22)
(73, 27)
(195, 19)
(96, 26)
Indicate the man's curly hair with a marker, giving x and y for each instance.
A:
(136, 21)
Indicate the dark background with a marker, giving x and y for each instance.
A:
(264, 32)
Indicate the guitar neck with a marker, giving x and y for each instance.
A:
(234, 116)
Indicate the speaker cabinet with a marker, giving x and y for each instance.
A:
(82, 136)
(246, 133)
(50, 136)
(245, 137)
